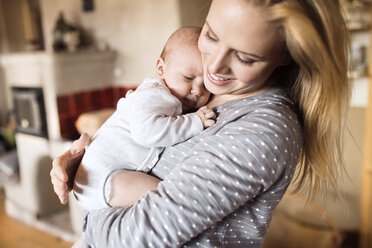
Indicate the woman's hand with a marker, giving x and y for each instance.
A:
(65, 167)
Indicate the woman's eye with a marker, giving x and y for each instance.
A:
(245, 61)
(209, 37)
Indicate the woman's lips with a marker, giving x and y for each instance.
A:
(218, 80)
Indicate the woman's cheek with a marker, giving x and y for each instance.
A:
(254, 74)
(245, 73)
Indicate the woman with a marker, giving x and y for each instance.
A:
(220, 188)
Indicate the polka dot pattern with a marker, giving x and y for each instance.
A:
(220, 188)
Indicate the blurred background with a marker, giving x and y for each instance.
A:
(65, 63)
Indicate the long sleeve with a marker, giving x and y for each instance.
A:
(133, 138)
(155, 116)
(252, 158)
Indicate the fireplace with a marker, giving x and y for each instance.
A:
(49, 91)
(29, 111)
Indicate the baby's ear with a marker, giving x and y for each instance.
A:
(160, 67)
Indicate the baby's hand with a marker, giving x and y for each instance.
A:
(207, 116)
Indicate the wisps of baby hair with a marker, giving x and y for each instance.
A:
(185, 35)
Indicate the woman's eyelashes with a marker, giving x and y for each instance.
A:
(210, 37)
(244, 61)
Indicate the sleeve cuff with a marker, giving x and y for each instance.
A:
(197, 124)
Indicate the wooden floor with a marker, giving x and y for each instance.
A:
(14, 234)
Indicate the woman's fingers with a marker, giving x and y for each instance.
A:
(63, 198)
(60, 188)
(80, 144)
(59, 168)
(65, 167)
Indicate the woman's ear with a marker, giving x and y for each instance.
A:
(160, 67)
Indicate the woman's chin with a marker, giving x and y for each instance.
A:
(215, 89)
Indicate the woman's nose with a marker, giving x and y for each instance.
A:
(219, 61)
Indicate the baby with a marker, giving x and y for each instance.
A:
(147, 120)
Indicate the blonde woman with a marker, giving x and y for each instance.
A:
(277, 69)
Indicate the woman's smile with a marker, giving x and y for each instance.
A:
(236, 63)
(218, 81)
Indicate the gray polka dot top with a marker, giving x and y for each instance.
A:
(219, 188)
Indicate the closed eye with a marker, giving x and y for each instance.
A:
(209, 37)
(244, 61)
(188, 78)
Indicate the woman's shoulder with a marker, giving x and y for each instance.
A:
(273, 103)
(270, 114)
(269, 96)
(266, 125)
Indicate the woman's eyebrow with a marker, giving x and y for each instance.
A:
(251, 54)
(245, 53)
(210, 29)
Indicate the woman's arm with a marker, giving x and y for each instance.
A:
(199, 193)
(224, 173)
(130, 185)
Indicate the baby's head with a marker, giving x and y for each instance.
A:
(181, 68)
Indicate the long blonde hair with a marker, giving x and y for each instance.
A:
(317, 40)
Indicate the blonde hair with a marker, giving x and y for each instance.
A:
(316, 38)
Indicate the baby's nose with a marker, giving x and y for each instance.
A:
(197, 89)
(194, 97)
(196, 92)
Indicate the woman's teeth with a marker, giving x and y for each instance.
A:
(217, 78)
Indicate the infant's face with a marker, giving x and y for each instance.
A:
(183, 75)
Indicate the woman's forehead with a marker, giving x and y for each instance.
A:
(243, 26)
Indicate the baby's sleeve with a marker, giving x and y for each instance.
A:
(155, 118)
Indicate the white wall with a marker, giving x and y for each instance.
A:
(193, 12)
(136, 29)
